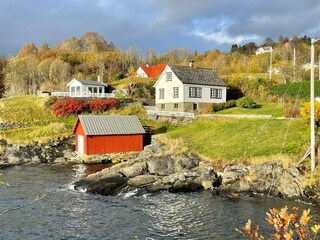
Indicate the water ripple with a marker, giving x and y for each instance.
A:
(69, 214)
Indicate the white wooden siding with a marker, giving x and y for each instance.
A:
(168, 87)
(141, 73)
(184, 91)
(205, 94)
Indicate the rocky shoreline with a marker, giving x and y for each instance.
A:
(155, 169)
(159, 168)
(50, 152)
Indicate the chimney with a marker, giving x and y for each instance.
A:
(99, 78)
(191, 63)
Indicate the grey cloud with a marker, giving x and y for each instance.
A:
(157, 24)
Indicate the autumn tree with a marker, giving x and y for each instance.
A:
(28, 50)
(3, 63)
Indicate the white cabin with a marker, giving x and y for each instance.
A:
(85, 89)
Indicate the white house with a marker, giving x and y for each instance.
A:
(85, 88)
(261, 50)
(150, 71)
(186, 89)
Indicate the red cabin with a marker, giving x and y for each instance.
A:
(100, 134)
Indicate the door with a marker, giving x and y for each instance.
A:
(80, 144)
(195, 106)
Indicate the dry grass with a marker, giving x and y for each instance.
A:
(175, 146)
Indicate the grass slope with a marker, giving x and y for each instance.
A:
(221, 138)
(41, 125)
(276, 110)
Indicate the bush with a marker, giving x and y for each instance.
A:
(246, 102)
(286, 224)
(71, 106)
(102, 105)
(305, 113)
(221, 106)
(292, 112)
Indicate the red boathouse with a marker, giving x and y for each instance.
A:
(100, 134)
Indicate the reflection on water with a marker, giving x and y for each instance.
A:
(68, 214)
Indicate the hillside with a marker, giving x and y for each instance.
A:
(215, 138)
(32, 120)
(236, 139)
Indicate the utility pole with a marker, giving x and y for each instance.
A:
(312, 120)
(294, 64)
(270, 74)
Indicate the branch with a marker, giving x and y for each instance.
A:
(28, 204)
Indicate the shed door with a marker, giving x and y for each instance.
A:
(80, 144)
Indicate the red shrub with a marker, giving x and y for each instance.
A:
(71, 106)
(102, 105)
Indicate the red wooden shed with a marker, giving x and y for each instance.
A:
(100, 134)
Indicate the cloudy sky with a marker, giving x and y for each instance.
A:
(158, 24)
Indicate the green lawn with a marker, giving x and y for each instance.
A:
(274, 109)
(229, 139)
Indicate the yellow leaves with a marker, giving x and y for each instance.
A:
(305, 113)
(305, 217)
(288, 225)
(315, 229)
(250, 231)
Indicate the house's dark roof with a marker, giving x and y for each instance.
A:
(89, 82)
(110, 125)
(200, 76)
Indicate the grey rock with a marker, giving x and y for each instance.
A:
(161, 166)
(141, 181)
(134, 170)
(105, 184)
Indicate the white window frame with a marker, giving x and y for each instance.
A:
(161, 93)
(195, 92)
(168, 76)
(175, 92)
(215, 93)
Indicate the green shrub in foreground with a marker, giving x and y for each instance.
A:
(246, 102)
(221, 106)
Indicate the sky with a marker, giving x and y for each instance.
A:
(160, 25)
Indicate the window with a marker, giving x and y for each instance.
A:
(169, 76)
(78, 91)
(176, 92)
(215, 93)
(163, 106)
(195, 92)
(176, 105)
(161, 93)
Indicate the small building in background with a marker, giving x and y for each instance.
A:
(101, 134)
(150, 71)
(86, 89)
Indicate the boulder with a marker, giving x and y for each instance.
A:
(161, 166)
(105, 184)
(141, 181)
(134, 170)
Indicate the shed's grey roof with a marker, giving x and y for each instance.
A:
(201, 76)
(111, 125)
(89, 82)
